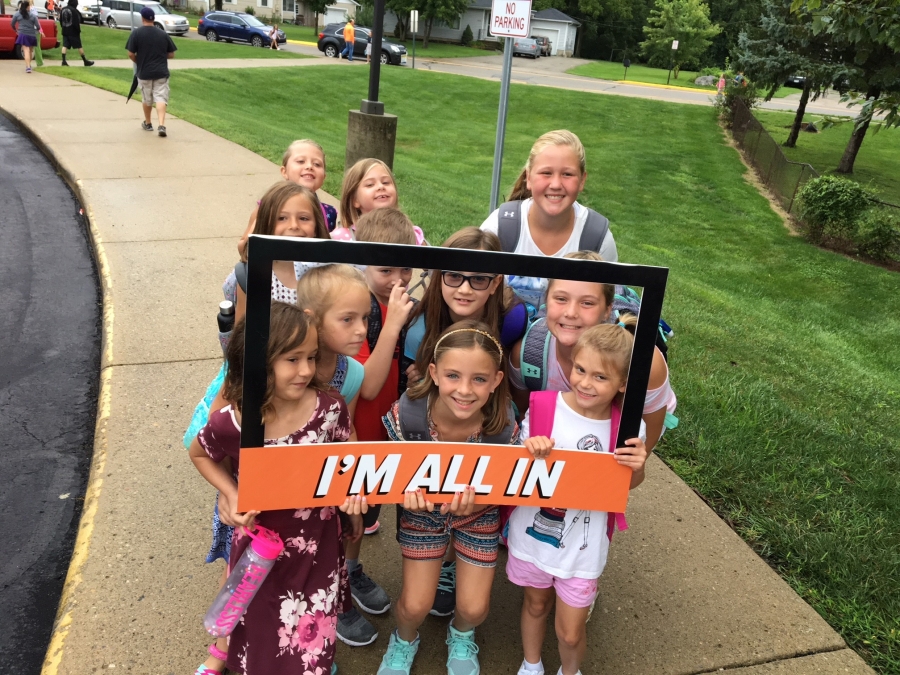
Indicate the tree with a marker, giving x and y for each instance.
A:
(684, 20)
(447, 11)
(784, 45)
(870, 31)
(734, 16)
(401, 9)
(316, 6)
(590, 13)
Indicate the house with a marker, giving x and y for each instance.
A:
(558, 27)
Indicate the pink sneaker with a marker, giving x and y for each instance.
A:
(373, 529)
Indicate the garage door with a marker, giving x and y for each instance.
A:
(550, 33)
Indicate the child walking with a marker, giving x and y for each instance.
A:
(368, 185)
(289, 626)
(389, 306)
(463, 398)
(557, 553)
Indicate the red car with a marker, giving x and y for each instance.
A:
(8, 36)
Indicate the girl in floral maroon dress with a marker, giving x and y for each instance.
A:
(290, 625)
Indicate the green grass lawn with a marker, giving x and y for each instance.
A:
(442, 50)
(607, 70)
(105, 43)
(784, 360)
(877, 164)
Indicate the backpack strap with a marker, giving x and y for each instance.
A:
(509, 224)
(413, 415)
(513, 324)
(353, 379)
(541, 412)
(533, 355)
(595, 230)
(506, 434)
(615, 521)
(240, 273)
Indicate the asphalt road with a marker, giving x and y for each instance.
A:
(49, 367)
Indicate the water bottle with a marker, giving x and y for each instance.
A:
(226, 316)
(244, 581)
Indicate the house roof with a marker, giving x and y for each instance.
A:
(480, 4)
(552, 14)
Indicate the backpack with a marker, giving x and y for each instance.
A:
(413, 416)
(542, 410)
(509, 226)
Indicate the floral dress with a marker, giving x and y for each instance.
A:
(290, 625)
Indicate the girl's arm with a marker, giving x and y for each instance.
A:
(378, 365)
(240, 307)
(659, 373)
(351, 408)
(633, 455)
(219, 478)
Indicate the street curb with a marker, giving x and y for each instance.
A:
(81, 547)
(665, 86)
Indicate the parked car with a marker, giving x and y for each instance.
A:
(331, 43)
(526, 47)
(89, 13)
(8, 35)
(796, 81)
(237, 26)
(544, 44)
(115, 14)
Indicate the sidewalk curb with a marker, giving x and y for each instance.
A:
(711, 92)
(81, 547)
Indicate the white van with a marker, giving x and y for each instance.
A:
(115, 14)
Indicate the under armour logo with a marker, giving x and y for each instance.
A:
(509, 214)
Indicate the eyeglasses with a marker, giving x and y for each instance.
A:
(478, 282)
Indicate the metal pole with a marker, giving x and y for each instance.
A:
(501, 123)
(371, 105)
(414, 49)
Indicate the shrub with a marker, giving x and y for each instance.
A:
(878, 235)
(833, 206)
(249, 9)
(365, 15)
(467, 36)
(725, 105)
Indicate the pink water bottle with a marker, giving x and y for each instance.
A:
(244, 581)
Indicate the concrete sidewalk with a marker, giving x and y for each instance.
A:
(682, 593)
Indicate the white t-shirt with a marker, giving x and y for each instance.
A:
(561, 542)
(532, 289)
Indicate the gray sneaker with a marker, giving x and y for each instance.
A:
(354, 629)
(369, 595)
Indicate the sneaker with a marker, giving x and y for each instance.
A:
(525, 671)
(372, 529)
(369, 595)
(146, 126)
(590, 610)
(353, 629)
(445, 598)
(333, 668)
(162, 130)
(64, 63)
(87, 63)
(462, 652)
(398, 658)
(28, 70)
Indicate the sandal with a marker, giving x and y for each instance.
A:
(217, 653)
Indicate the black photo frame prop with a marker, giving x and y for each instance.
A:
(264, 250)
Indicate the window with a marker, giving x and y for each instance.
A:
(263, 3)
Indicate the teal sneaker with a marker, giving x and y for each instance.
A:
(462, 652)
(398, 658)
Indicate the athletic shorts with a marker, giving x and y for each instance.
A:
(155, 91)
(426, 536)
(575, 592)
(72, 41)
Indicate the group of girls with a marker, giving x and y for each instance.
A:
(352, 357)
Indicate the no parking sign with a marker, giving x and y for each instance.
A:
(511, 18)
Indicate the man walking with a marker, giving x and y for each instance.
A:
(70, 20)
(349, 40)
(149, 47)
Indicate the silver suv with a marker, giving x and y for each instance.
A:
(115, 14)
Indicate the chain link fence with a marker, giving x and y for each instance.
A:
(782, 176)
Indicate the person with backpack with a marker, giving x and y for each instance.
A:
(463, 398)
(557, 555)
(70, 20)
(543, 216)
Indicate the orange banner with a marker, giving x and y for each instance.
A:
(303, 476)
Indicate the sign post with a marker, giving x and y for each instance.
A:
(509, 19)
(414, 27)
(674, 49)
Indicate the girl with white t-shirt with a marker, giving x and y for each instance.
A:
(551, 220)
(558, 552)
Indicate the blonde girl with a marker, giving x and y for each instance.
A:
(563, 569)
(302, 163)
(550, 220)
(281, 632)
(572, 307)
(464, 398)
(368, 185)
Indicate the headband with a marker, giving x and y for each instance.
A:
(470, 330)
